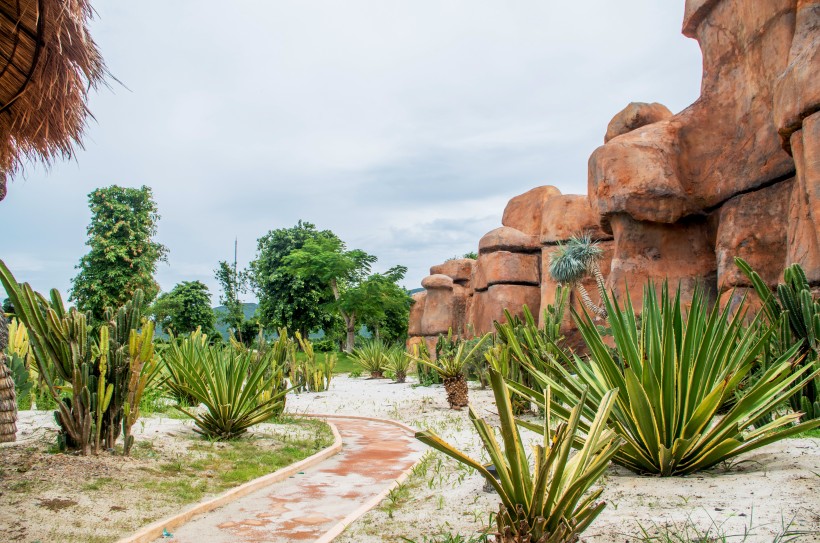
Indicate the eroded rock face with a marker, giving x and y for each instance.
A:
(508, 239)
(489, 305)
(681, 253)
(677, 197)
(569, 215)
(803, 237)
(416, 313)
(635, 115)
(753, 227)
(524, 211)
(506, 267)
(459, 270)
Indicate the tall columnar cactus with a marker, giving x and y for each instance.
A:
(8, 398)
(143, 368)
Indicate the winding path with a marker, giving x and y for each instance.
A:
(318, 503)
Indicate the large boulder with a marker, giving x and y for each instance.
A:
(569, 215)
(506, 267)
(439, 305)
(508, 239)
(459, 270)
(753, 227)
(635, 115)
(489, 305)
(524, 211)
(417, 313)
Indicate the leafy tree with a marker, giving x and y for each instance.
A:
(384, 305)
(186, 308)
(471, 255)
(285, 298)
(123, 256)
(232, 282)
(328, 262)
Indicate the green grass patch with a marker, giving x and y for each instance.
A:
(344, 362)
(809, 433)
(211, 467)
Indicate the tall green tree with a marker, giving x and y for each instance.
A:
(285, 298)
(185, 308)
(122, 255)
(384, 305)
(232, 282)
(327, 261)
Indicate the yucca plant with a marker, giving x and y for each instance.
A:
(677, 370)
(372, 357)
(309, 374)
(398, 363)
(186, 351)
(450, 367)
(551, 503)
(796, 314)
(229, 390)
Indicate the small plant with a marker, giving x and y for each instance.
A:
(450, 367)
(550, 503)
(372, 357)
(398, 363)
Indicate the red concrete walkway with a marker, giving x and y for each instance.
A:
(308, 505)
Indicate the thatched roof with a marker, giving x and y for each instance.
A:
(48, 64)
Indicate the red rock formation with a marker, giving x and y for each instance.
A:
(677, 197)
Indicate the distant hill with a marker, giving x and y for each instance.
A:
(415, 290)
(248, 308)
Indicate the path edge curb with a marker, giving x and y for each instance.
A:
(154, 530)
(340, 526)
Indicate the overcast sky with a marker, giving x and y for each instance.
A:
(403, 126)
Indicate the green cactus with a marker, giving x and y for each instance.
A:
(797, 313)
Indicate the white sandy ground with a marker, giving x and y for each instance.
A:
(761, 492)
(764, 490)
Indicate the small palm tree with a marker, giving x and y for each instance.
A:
(573, 261)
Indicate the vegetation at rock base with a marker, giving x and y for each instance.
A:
(673, 374)
(795, 313)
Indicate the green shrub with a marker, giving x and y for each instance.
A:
(674, 373)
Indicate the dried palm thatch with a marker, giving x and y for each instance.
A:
(48, 64)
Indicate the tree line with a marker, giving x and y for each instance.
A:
(305, 279)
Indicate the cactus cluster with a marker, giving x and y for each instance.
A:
(795, 311)
(95, 365)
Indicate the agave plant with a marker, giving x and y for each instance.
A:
(675, 372)
(235, 396)
(797, 313)
(189, 352)
(371, 356)
(551, 504)
(573, 261)
(450, 367)
(398, 363)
